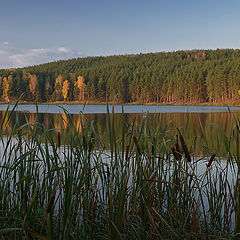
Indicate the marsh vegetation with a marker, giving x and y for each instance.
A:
(144, 183)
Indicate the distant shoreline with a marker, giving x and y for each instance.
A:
(119, 103)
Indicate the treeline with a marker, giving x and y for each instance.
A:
(168, 77)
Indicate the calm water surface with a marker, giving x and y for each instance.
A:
(202, 126)
(94, 109)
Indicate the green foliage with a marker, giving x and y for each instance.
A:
(167, 77)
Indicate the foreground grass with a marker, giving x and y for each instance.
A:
(147, 186)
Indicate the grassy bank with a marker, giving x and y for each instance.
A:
(147, 186)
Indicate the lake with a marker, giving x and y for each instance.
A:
(202, 126)
(97, 109)
(139, 167)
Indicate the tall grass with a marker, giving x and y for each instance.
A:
(147, 186)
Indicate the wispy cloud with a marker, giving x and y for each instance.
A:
(11, 57)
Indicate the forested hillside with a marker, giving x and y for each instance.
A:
(168, 77)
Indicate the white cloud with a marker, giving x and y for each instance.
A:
(63, 49)
(11, 57)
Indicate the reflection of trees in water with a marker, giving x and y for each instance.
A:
(61, 121)
(196, 127)
(5, 119)
(46, 120)
(78, 120)
(56, 122)
(64, 121)
(31, 119)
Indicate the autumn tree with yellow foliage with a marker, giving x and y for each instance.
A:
(33, 83)
(5, 89)
(191, 76)
(65, 89)
(81, 87)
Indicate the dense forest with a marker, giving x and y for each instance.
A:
(195, 76)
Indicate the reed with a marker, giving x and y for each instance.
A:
(147, 186)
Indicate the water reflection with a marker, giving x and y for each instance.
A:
(201, 130)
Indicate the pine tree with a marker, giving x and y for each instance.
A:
(58, 88)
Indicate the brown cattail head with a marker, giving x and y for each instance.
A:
(58, 139)
(50, 203)
(184, 146)
(211, 160)
(137, 145)
(177, 149)
(175, 154)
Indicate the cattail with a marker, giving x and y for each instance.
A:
(184, 146)
(50, 203)
(127, 151)
(175, 154)
(178, 151)
(211, 160)
(137, 145)
(58, 139)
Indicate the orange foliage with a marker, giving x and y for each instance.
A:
(65, 89)
(5, 89)
(64, 121)
(33, 83)
(81, 86)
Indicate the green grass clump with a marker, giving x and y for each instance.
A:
(144, 186)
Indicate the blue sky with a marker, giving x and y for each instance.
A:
(34, 31)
